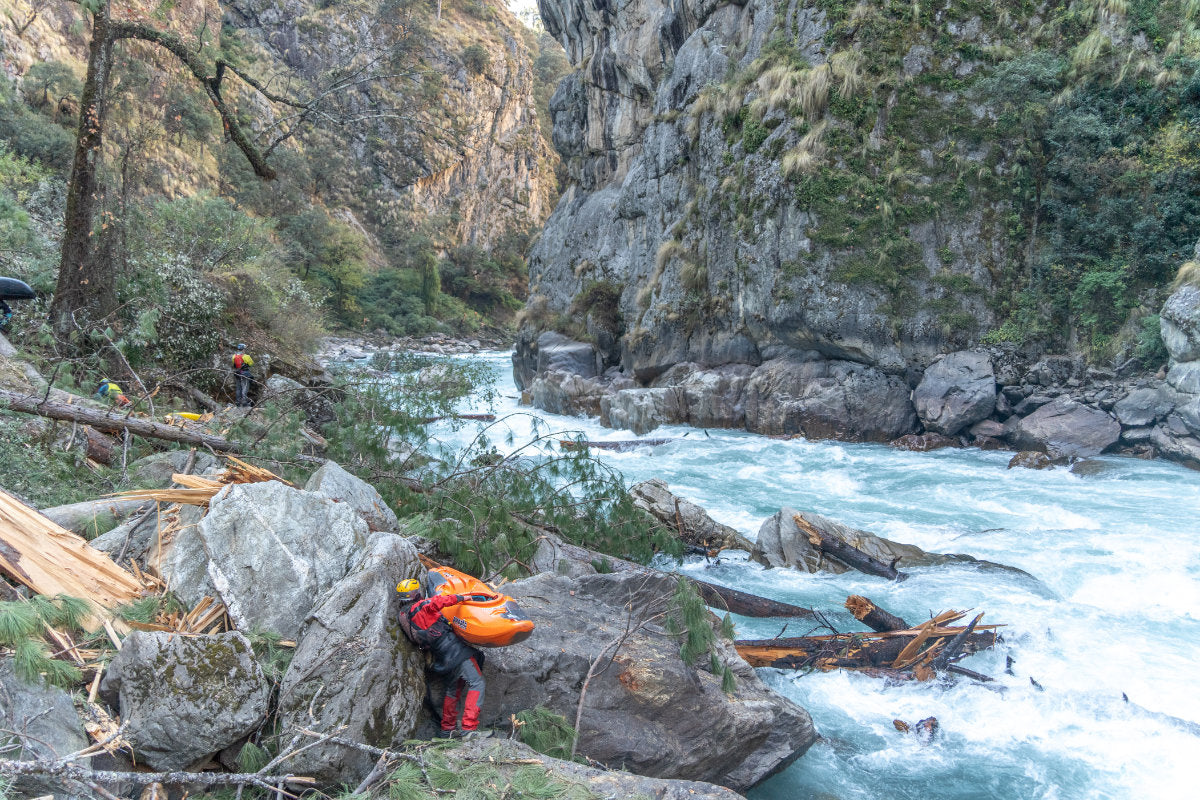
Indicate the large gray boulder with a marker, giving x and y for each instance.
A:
(1174, 440)
(557, 352)
(155, 470)
(1179, 324)
(180, 556)
(569, 394)
(274, 550)
(712, 398)
(48, 725)
(334, 482)
(648, 712)
(354, 671)
(699, 528)
(781, 543)
(956, 391)
(1144, 406)
(1064, 429)
(826, 399)
(184, 698)
(642, 410)
(505, 754)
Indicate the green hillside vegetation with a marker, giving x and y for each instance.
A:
(1073, 134)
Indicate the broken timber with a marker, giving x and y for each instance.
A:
(470, 417)
(874, 617)
(112, 423)
(620, 447)
(747, 605)
(848, 554)
(914, 653)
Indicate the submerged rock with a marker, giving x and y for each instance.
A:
(1031, 459)
(183, 698)
(924, 442)
(354, 671)
(648, 712)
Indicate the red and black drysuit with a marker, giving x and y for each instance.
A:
(458, 661)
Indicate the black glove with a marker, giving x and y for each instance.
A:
(461, 598)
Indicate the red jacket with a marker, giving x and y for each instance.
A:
(430, 630)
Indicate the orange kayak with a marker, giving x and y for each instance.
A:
(488, 619)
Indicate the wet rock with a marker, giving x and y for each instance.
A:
(924, 442)
(699, 528)
(597, 782)
(354, 669)
(1144, 406)
(711, 398)
(570, 394)
(1031, 459)
(642, 410)
(781, 543)
(989, 443)
(51, 728)
(1066, 429)
(334, 482)
(648, 712)
(955, 392)
(825, 399)
(987, 429)
(273, 551)
(184, 698)
(1173, 440)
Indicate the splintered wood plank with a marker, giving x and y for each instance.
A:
(51, 560)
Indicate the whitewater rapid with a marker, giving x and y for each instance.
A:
(1114, 607)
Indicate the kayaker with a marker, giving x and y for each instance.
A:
(107, 390)
(458, 662)
(241, 375)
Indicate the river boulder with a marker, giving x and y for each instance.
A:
(569, 394)
(184, 698)
(1144, 406)
(642, 410)
(354, 671)
(1179, 324)
(334, 482)
(956, 391)
(828, 399)
(49, 726)
(1065, 428)
(698, 528)
(557, 352)
(272, 551)
(649, 712)
(1175, 441)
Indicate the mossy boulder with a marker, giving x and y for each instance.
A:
(184, 698)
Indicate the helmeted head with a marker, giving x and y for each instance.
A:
(409, 590)
(241, 347)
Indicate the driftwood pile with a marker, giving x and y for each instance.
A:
(891, 649)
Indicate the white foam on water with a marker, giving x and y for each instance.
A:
(1113, 606)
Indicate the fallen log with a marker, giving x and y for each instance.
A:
(848, 554)
(849, 650)
(747, 605)
(471, 417)
(113, 423)
(620, 447)
(874, 617)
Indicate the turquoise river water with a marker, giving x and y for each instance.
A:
(1115, 608)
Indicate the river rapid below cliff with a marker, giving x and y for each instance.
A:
(1115, 607)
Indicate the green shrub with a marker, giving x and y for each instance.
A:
(476, 59)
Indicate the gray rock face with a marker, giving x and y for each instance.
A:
(354, 668)
(1185, 376)
(699, 528)
(569, 394)
(956, 392)
(599, 782)
(339, 485)
(642, 410)
(273, 551)
(47, 718)
(557, 352)
(716, 397)
(183, 560)
(1144, 406)
(1066, 429)
(648, 712)
(828, 400)
(1173, 441)
(1179, 324)
(184, 698)
(155, 471)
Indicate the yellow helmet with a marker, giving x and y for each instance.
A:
(409, 590)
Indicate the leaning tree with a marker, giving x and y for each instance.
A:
(86, 290)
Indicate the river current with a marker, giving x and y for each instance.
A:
(1114, 608)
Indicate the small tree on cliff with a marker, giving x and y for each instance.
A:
(86, 288)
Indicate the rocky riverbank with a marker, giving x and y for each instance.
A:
(995, 398)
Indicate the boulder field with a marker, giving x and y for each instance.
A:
(309, 566)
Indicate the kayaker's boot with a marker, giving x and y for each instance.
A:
(450, 707)
(470, 720)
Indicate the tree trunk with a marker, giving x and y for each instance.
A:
(848, 554)
(84, 282)
(113, 423)
(748, 605)
(874, 617)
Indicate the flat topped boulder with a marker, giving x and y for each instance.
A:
(557, 352)
(1064, 429)
(956, 391)
(183, 698)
